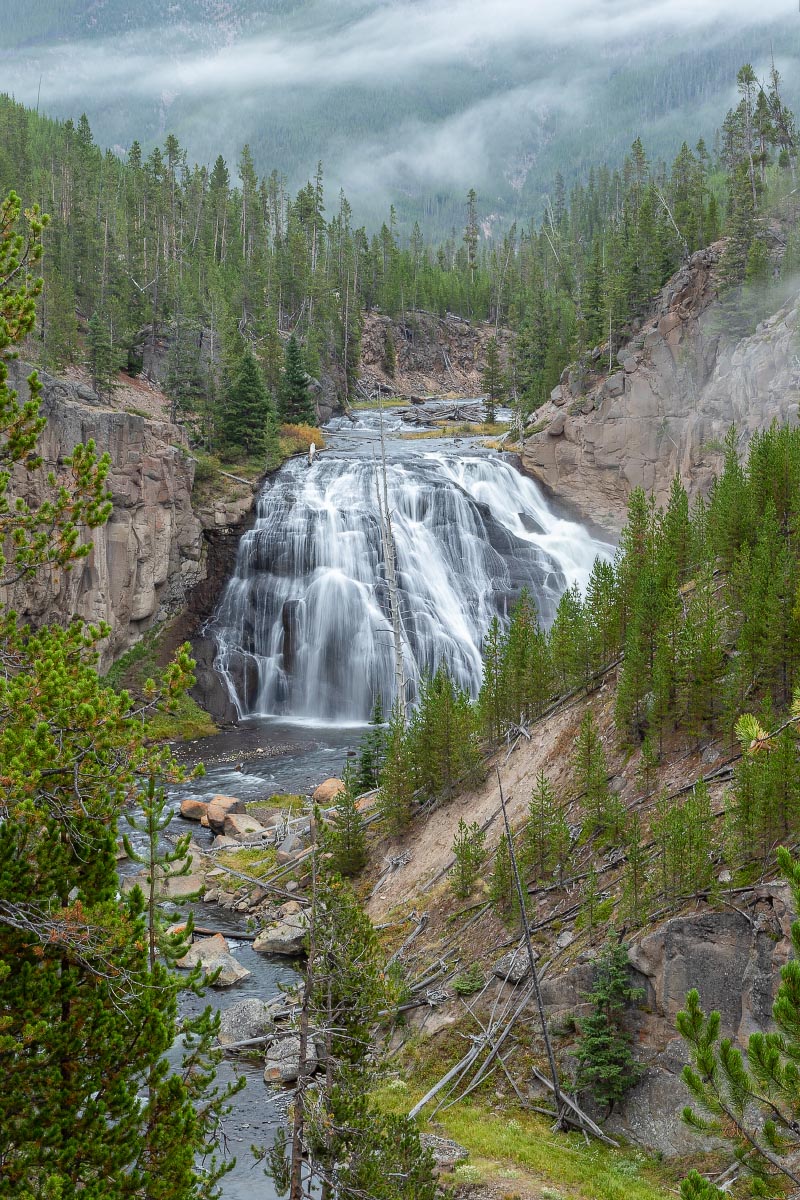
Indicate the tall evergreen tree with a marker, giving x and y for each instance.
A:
(345, 841)
(492, 379)
(247, 422)
(606, 1066)
(297, 407)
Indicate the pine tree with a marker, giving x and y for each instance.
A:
(389, 353)
(635, 881)
(501, 886)
(296, 405)
(372, 751)
(351, 1148)
(604, 814)
(469, 850)
(442, 737)
(345, 841)
(396, 797)
(492, 700)
(606, 1066)
(590, 903)
(103, 363)
(537, 852)
(683, 834)
(492, 379)
(247, 422)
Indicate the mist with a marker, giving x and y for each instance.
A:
(403, 96)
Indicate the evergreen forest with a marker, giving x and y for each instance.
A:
(658, 712)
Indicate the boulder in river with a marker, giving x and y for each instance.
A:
(245, 1020)
(286, 937)
(327, 792)
(219, 808)
(211, 953)
(180, 887)
(282, 1064)
(242, 826)
(193, 808)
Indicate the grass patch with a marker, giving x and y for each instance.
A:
(513, 1144)
(187, 722)
(539, 427)
(130, 673)
(296, 439)
(279, 802)
(463, 429)
(386, 402)
(256, 861)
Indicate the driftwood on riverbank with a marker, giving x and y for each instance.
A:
(423, 414)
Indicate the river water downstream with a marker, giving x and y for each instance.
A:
(304, 645)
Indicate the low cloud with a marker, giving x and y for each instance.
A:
(484, 76)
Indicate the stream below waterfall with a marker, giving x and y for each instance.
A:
(304, 643)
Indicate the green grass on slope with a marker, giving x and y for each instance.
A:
(521, 1148)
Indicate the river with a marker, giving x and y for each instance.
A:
(304, 644)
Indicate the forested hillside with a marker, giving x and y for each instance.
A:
(225, 266)
(405, 104)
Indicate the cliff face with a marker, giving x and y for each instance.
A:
(152, 552)
(434, 354)
(681, 384)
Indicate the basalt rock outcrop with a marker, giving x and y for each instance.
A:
(152, 554)
(665, 408)
(732, 956)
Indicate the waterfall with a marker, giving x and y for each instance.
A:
(303, 626)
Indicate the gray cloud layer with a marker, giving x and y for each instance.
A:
(514, 60)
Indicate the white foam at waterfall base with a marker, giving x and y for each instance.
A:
(303, 625)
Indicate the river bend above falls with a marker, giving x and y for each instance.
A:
(302, 628)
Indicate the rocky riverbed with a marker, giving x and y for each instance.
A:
(254, 935)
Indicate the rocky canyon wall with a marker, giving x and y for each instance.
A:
(152, 552)
(678, 387)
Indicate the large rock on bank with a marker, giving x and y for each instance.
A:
(327, 791)
(245, 1020)
(243, 827)
(220, 807)
(282, 1064)
(212, 953)
(287, 937)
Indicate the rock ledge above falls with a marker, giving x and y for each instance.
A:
(680, 385)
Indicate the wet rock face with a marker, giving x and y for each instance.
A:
(681, 385)
(149, 555)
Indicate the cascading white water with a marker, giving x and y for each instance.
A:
(302, 628)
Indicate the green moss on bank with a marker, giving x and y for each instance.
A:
(145, 661)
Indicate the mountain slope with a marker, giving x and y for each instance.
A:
(404, 103)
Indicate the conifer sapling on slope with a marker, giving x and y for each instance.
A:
(606, 1066)
(345, 839)
(470, 853)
